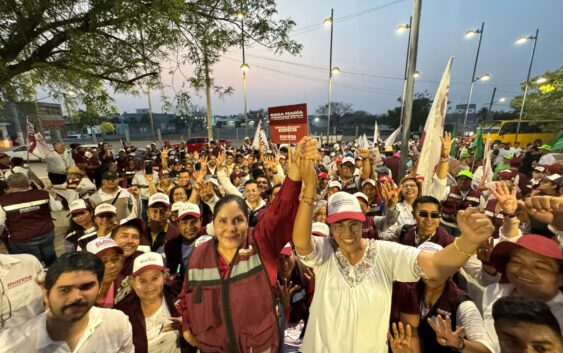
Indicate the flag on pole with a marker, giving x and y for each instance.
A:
(260, 138)
(391, 139)
(487, 165)
(375, 134)
(36, 144)
(455, 140)
(477, 145)
(433, 131)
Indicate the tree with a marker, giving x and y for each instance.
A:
(545, 100)
(420, 108)
(96, 47)
(337, 111)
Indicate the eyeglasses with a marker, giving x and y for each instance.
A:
(348, 167)
(406, 186)
(425, 214)
(353, 227)
(4, 302)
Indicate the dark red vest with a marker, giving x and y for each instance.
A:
(231, 315)
(351, 186)
(497, 219)
(455, 202)
(369, 231)
(408, 236)
(447, 304)
(27, 214)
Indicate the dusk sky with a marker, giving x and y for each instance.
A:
(372, 55)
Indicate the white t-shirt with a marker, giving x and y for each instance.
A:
(158, 340)
(351, 306)
(108, 330)
(19, 292)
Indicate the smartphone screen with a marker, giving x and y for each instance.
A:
(148, 167)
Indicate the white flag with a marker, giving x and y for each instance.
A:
(391, 139)
(487, 166)
(433, 131)
(260, 138)
(36, 144)
(375, 133)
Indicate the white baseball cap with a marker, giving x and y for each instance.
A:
(78, 205)
(342, 206)
(213, 181)
(335, 184)
(369, 181)
(362, 196)
(189, 210)
(430, 247)
(148, 261)
(552, 177)
(176, 206)
(101, 246)
(348, 160)
(320, 229)
(105, 208)
(159, 198)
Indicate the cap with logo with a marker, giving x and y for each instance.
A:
(102, 246)
(130, 222)
(148, 261)
(539, 168)
(335, 184)
(189, 210)
(104, 208)
(159, 198)
(176, 206)
(78, 206)
(109, 175)
(342, 206)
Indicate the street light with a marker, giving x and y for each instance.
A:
(240, 15)
(470, 34)
(335, 70)
(244, 67)
(400, 29)
(520, 41)
(540, 80)
(502, 99)
(416, 74)
(485, 77)
(329, 21)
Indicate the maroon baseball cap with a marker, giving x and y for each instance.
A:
(536, 243)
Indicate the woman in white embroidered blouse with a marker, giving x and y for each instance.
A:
(354, 276)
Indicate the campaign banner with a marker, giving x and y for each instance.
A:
(288, 123)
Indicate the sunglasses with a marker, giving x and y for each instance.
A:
(425, 214)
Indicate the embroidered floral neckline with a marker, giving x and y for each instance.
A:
(354, 274)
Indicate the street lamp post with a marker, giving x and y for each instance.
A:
(484, 77)
(523, 40)
(399, 29)
(244, 67)
(470, 34)
(329, 21)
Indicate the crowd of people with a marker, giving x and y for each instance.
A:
(286, 248)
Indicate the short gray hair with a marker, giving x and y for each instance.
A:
(17, 180)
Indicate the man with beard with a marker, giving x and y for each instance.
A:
(179, 248)
(72, 323)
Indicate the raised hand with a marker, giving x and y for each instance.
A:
(310, 276)
(546, 209)
(505, 199)
(221, 160)
(400, 339)
(286, 291)
(444, 334)
(474, 226)
(446, 144)
(164, 152)
(363, 152)
(389, 193)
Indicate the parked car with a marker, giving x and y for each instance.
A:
(196, 143)
(21, 152)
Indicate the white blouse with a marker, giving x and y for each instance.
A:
(351, 306)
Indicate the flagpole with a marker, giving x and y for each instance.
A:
(27, 138)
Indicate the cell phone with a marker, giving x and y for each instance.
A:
(148, 167)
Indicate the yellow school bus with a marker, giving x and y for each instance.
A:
(530, 131)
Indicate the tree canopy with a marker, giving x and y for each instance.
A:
(544, 100)
(95, 47)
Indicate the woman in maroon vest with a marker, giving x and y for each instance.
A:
(227, 300)
(443, 317)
